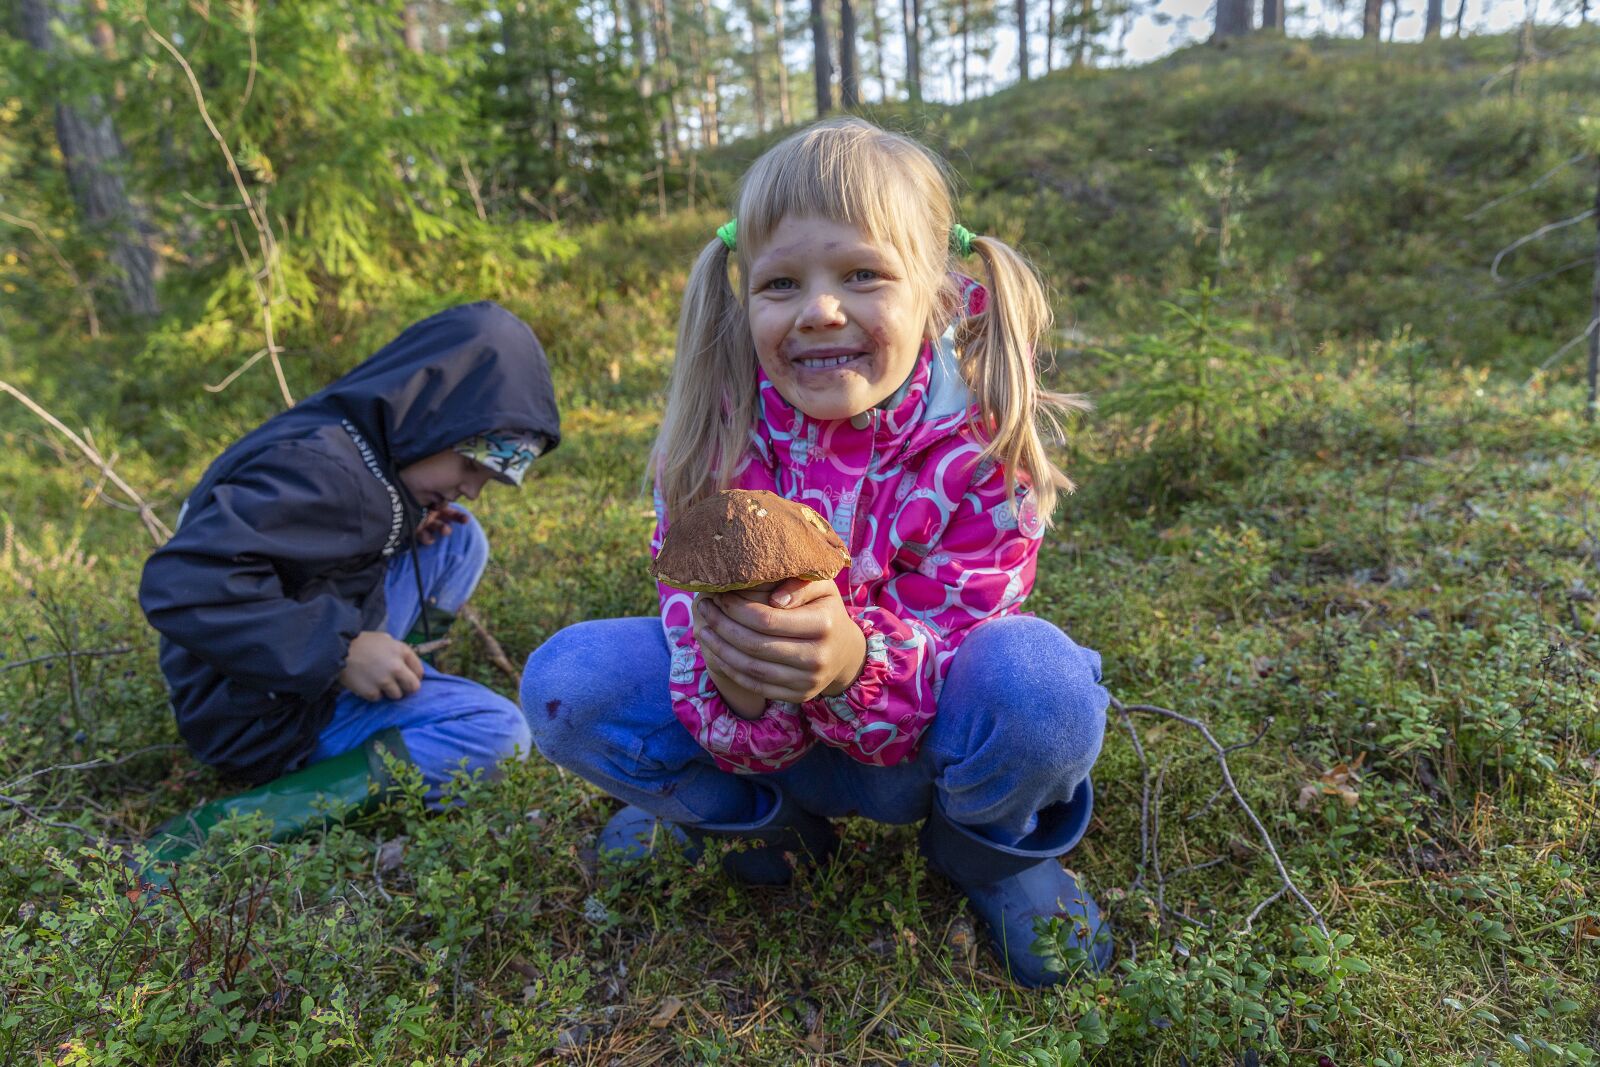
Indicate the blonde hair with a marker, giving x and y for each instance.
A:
(897, 193)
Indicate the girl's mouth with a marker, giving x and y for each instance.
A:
(826, 360)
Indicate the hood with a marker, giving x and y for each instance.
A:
(465, 371)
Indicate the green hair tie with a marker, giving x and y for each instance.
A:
(729, 232)
(961, 239)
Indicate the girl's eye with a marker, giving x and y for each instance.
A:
(865, 274)
(778, 283)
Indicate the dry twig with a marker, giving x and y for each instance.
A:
(158, 529)
(491, 647)
(86, 654)
(265, 278)
(1147, 847)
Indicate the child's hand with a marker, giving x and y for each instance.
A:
(437, 522)
(380, 667)
(794, 642)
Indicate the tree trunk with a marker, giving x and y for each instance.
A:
(95, 160)
(636, 35)
(667, 74)
(712, 119)
(1233, 18)
(1049, 34)
(849, 76)
(1022, 40)
(780, 35)
(877, 49)
(1524, 52)
(911, 16)
(1435, 20)
(1371, 20)
(1272, 14)
(1080, 50)
(758, 93)
(411, 28)
(822, 63)
(1594, 308)
(966, 46)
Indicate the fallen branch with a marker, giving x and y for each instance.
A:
(1147, 848)
(89, 654)
(158, 529)
(36, 817)
(1494, 268)
(89, 764)
(491, 647)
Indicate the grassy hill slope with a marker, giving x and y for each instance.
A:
(1377, 580)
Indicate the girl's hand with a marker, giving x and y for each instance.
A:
(794, 642)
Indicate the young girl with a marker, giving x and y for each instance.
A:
(911, 687)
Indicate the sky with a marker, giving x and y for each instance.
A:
(1190, 20)
(1171, 24)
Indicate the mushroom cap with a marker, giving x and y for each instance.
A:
(742, 538)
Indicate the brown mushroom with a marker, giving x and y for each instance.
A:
(743, 538)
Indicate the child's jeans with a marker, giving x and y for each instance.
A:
(449, 719)
(1020, 722)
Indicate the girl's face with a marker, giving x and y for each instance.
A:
(836, 322)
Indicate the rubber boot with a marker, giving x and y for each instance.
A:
(312, 797)
(1010, 886)
(785, 830)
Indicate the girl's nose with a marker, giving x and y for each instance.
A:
(822, 310)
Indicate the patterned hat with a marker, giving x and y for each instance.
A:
(507, 454)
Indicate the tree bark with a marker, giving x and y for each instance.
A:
(1080, 50)
(1022, 40)
(911, 16)
(1272, 14)
(822, 62)
(780, 36)
(95, 161)
(849, 70)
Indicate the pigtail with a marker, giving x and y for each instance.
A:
(712, 398)
(999, 349)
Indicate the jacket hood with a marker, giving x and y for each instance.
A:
(465, 371)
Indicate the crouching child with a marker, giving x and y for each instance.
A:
(319, 551)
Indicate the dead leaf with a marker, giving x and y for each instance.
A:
(669, 1007)
(1340, 781)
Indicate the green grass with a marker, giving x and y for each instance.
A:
(1397, 566)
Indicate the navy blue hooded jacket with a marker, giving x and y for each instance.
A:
(280, 554)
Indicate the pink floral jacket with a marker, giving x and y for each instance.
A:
(937, 547)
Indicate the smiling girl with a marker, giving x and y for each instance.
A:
(829, 351)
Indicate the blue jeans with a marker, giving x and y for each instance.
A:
(450, 723)
(1020, 722)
